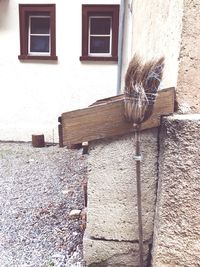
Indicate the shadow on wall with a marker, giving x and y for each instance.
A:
(3, 12)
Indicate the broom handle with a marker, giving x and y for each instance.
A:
(139, 204)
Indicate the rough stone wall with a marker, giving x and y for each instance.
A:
(177, 221)
(156, 32)
(111, 237)
(188, 87)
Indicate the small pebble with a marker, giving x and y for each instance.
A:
(74, 213)
(35, 230)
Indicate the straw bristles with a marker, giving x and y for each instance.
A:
(136, 103)
(133, 73)
(152, 75)
(141, 86)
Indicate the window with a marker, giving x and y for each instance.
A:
(100, 25)
(37, 31)
(39, 35)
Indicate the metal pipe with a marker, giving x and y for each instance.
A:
(120, 45)
(139, 195)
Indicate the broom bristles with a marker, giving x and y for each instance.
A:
(141, 85)
(133, 73)
(153, 75)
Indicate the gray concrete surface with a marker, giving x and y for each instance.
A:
(101, 253)
(177, 221)
(188, 86)
(112, 199)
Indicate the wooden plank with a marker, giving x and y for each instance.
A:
(107, 100)
(105, 118)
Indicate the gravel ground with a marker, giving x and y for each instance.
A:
(38, 189)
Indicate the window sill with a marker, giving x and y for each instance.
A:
(88, 58)
(27, 57)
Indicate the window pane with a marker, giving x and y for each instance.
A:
(39, 44)
(100, 25)
(40, 25)
(99, 44)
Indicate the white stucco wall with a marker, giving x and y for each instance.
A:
(154, 30)
(34, 94)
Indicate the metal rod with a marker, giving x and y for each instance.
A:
(139, 197)
(120, 46)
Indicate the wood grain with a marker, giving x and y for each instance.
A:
(105, 118)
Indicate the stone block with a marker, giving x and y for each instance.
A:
(188, 85)
(112, 253)
(112, 198)
(177, 227)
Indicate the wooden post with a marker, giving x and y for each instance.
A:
(60, 134)
(38, 140)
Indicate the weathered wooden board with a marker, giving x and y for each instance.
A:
(105, 118)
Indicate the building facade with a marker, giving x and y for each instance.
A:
(43, 71)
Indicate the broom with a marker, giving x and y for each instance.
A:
(142, 82)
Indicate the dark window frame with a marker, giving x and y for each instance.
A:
(90, 10)
(25, 11)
